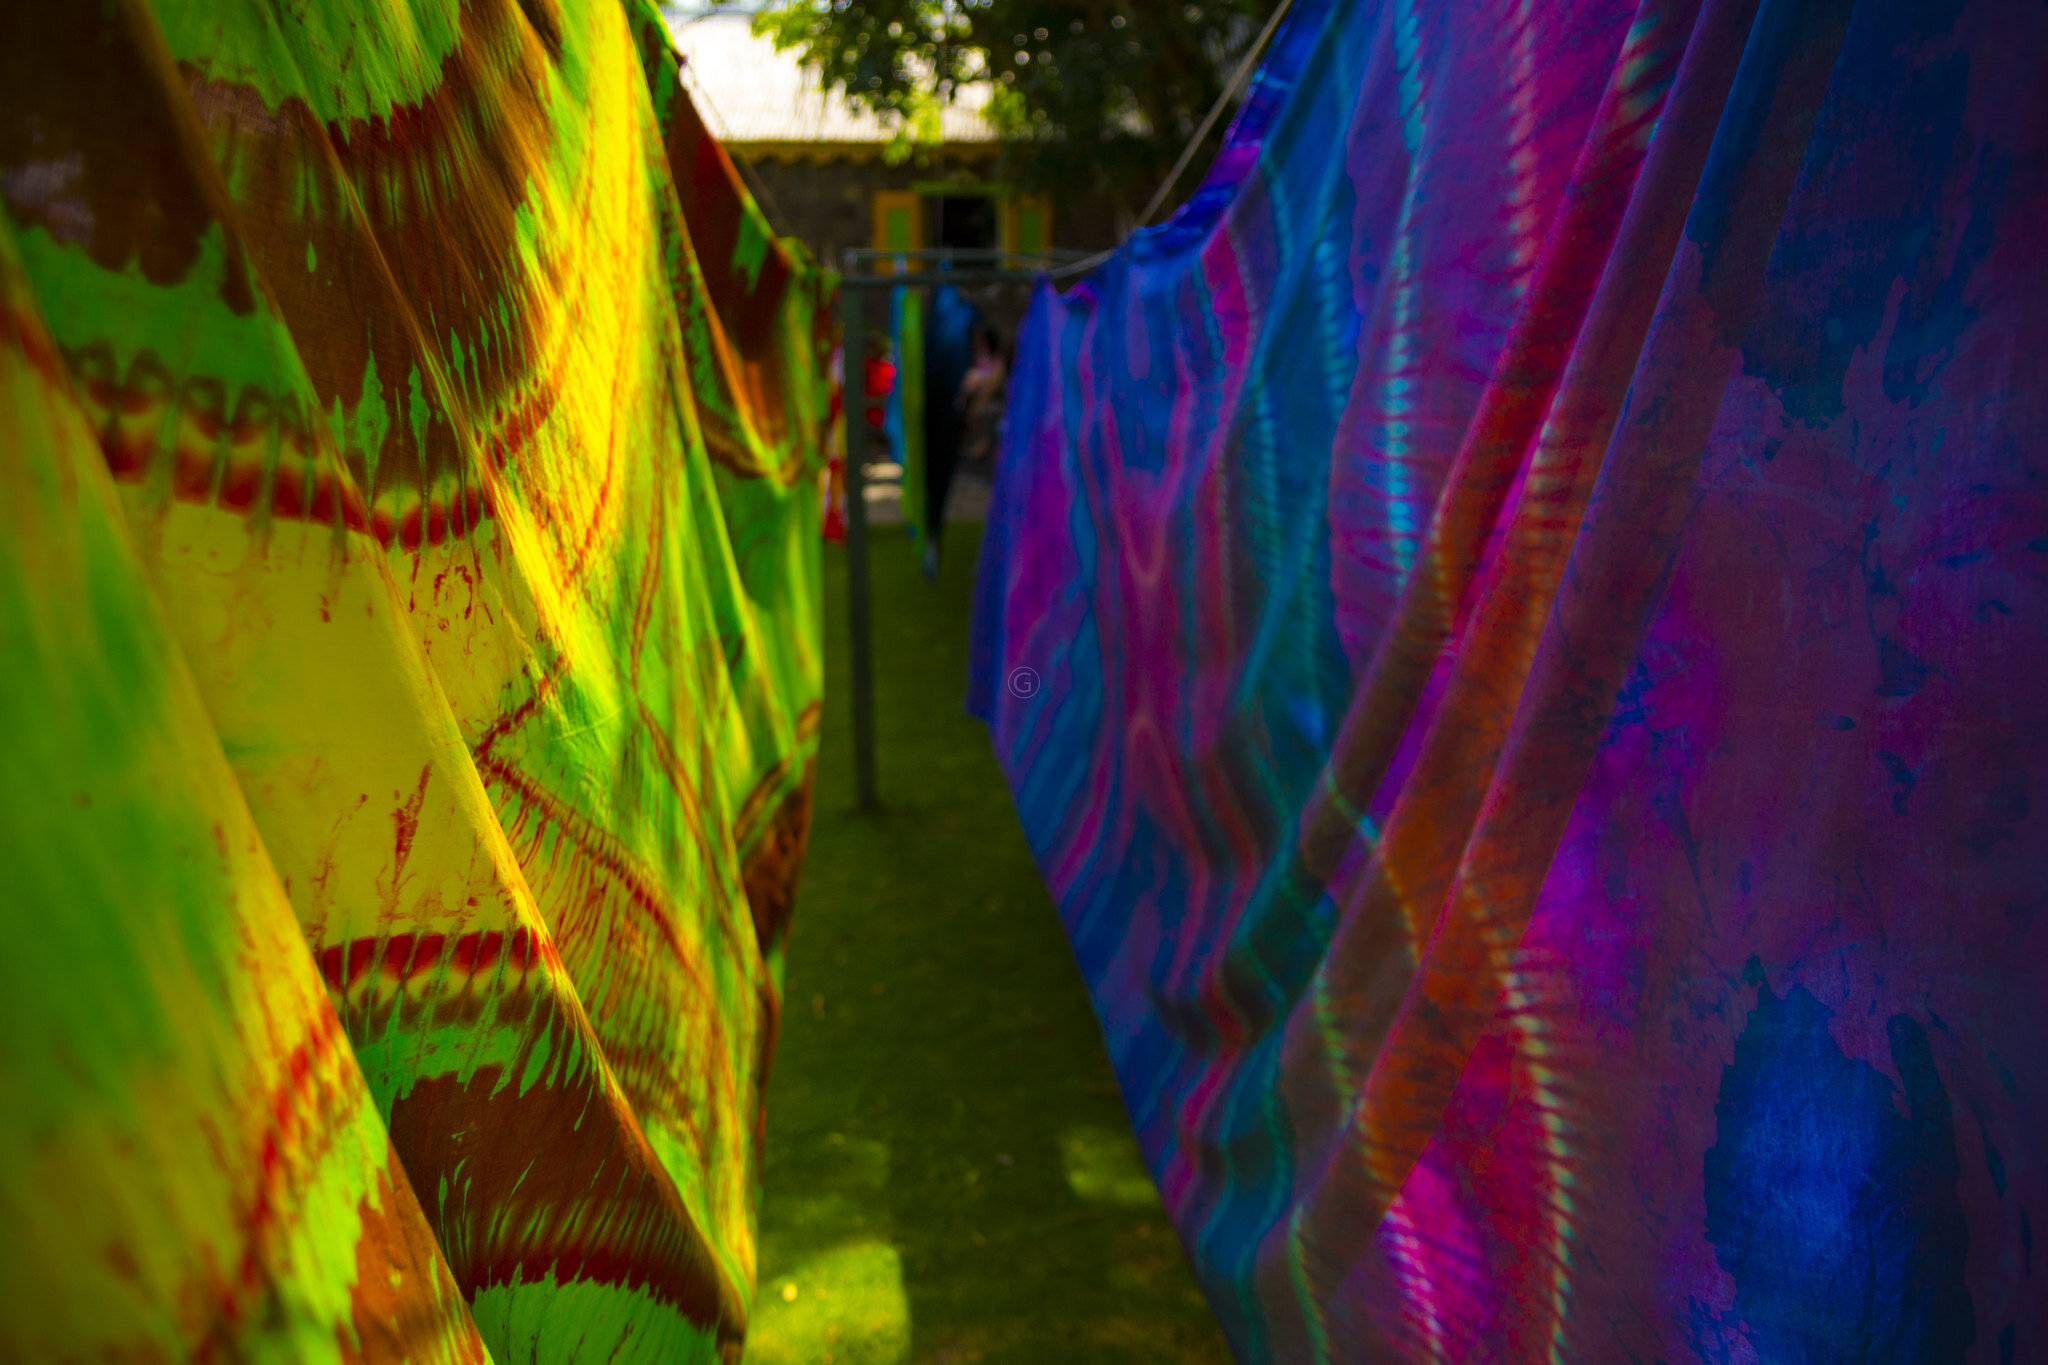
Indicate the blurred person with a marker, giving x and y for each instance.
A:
(982, 396)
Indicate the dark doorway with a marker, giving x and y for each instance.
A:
(966, 222)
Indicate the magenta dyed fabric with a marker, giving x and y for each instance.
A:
(1516, 625)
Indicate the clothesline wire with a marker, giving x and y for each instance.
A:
(1237, 79)
(1244, 69)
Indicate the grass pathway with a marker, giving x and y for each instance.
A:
(950, 1176)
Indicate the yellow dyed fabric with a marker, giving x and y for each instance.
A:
(409, 587)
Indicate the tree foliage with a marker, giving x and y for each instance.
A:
(1093, 96)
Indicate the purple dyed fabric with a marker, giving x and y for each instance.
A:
(1533, 590)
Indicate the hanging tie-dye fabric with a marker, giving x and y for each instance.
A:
(409, 593)
(1517, 623)
(948, 355)
(903, 421)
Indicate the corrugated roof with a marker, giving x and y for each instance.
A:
(750, 93)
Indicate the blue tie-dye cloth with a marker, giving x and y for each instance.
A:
(950, 320)
(1516, 625)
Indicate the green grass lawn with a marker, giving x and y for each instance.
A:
(950, 1175)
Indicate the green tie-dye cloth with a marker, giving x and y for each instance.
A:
(409, 599)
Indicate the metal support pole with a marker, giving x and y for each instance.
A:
(853, 410)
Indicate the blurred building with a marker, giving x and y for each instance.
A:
(822, 168)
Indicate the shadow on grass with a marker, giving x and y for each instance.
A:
(950, 1176)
